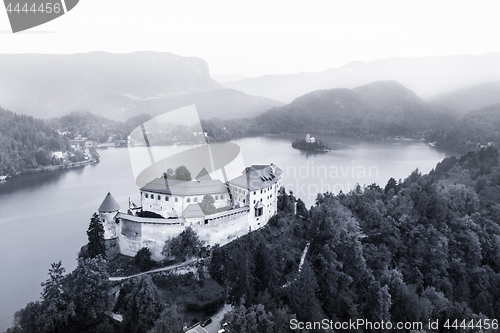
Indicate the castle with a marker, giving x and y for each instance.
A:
(242, 204)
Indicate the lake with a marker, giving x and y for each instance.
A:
(45, 215)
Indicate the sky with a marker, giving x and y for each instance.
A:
(255, 38)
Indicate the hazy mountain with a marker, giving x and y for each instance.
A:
(426, 76)
(379, 109)
(477, 128)
(117, 86)
(223, 78)
(488, 115)
(469, 98)
(224, 104)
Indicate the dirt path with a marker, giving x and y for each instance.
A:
(121, 278)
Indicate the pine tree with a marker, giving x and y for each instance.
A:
(170, 321)
(89, 287)
(95, 234)
(57, 306)
(143, 306)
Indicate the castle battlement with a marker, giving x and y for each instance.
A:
(244, 204)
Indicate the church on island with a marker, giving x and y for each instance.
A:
(242, 204)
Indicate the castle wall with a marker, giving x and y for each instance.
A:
(227, 227)
(154, 236)
(268, 197)
(129, 237)
(109, 224)
(112, 248)
(176, 204)
(221, 228)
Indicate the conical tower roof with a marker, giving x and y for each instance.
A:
(109, 204)
(203, 175)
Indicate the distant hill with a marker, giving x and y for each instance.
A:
(26, 143)
(477, 128)
(223, 103)
(117, 86)
(425, 76)
(95, 127)
(376, 110)
(488, 115)
(469, 98)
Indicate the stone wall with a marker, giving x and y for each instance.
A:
(136, 232)
(112, 248)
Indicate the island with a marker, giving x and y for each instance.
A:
(310, 143)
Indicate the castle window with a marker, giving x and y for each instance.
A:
(254, 193)
(258, 212)
(166, 198)
(159, 197)
(176, 199)
(195, 199)
(188, 200)
(254, 201)
(260, 199)
(146, 195)
(260, 191)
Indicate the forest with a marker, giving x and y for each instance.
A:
(25, 142)
(375, 112)
(476, 128)
(425, 248)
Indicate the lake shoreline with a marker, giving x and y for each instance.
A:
(50, 168)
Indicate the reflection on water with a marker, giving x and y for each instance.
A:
(32, 180)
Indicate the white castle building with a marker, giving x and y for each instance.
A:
(243, 204)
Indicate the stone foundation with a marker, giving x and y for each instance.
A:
(112, 248)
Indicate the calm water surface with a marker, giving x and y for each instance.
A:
(350, 162)
(44, 216)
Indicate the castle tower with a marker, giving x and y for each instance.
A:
(107, 212)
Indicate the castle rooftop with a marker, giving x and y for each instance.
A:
(183, 188)
(192, 210)
(257, 177)
(109, 204)
(203, 175)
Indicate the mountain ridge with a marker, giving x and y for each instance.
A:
(117, 86)
(376, 110)
(469, 98)
(426, 76)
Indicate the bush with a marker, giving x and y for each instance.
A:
(143, 259)
(183, 246)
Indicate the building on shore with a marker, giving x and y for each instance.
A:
(242, 204)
